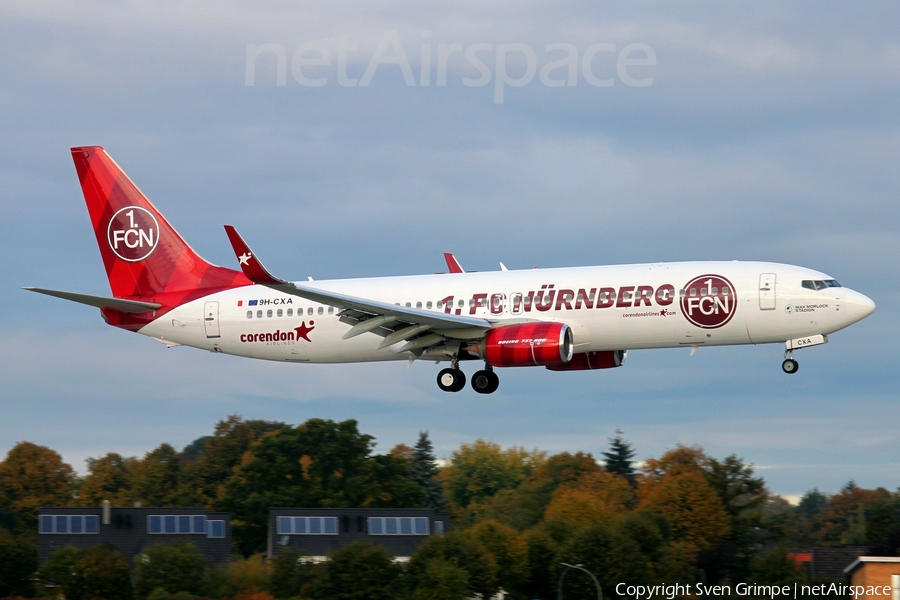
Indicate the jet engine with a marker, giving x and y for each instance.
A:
(538, 343)
(586, 361)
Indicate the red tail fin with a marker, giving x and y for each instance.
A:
(144, 255)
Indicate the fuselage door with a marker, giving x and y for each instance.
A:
(767, 291)
(211, 319)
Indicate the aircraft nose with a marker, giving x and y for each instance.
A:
(861, 306)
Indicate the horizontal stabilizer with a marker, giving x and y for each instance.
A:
(126, 306)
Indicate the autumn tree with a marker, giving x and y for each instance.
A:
(174, 568)
(319, 463)
(595, 496)
(509, 550)
(110, 477)
(18, 562)
(689, 503)
(32, 476)
(99, 572)
(619, 459)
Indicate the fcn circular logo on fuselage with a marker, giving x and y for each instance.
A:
(709, 301)
(133, 233)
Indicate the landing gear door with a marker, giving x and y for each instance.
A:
(211, 319)
(767, 291)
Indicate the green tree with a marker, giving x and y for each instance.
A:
(174, 568)
(542, 551)
(775, 567)
(99, 572)
(424, 471)
(291, 575)
(57, 572)
(619, 458)
(442, 580)
(882, 520)
(211, 460)
(18, 563)
(33, 476)
(525, 506)
(317, 464)
(479, 470)
(461, 551)
(360, 571)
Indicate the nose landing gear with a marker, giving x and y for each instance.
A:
(789, 365)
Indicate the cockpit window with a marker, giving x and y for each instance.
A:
(819, 284)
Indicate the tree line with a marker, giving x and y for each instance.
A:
(516, 515)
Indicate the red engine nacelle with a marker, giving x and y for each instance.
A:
(527, 345)
(586, 361)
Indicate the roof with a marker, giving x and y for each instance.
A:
(873, 559)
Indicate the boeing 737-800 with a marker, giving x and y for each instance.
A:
(564, 319)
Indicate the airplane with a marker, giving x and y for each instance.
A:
(563, 319)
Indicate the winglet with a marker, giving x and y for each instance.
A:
(453, 264)
(250, 265)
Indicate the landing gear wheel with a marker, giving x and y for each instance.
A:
(451, 380)
(485, 382)
(790, 366)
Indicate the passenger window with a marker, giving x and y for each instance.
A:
(715, 291)
(471, 302)
(309, 310)
(259, 314)
(681, 293)
(461, 303)
(408, 305)
(808, 284)
(321, 310)
(249, 314)
(703, 291)
(418, 305)
(439, 304)
(330, 310)
(280, 313)
(290, 312)
(428, 304)
(269, 313)
(693, 292)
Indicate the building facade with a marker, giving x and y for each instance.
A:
(132, 530)
(319, 532)
(879, 575)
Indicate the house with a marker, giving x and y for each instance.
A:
(876, 577)
(132, 530)
(319, 532)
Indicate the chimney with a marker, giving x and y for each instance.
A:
(107, 512)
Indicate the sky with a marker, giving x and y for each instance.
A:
(697, 131)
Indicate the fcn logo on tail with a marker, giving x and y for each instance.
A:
(133, 233)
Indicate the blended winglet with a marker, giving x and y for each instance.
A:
(453, 264)
(251, 266)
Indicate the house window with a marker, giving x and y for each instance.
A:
(180, 524)
(307, 525)
(75, 524)
(215, 529)
(398, 525)
(439, 527)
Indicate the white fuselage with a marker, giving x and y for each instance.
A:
(649, 307)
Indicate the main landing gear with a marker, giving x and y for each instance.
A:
(486, 381)
(453, 379)
(789, 365)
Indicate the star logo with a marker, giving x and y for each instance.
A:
(663, 312)
(303, 331)
(245, 258)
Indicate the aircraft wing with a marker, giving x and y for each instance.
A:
(393, 322)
